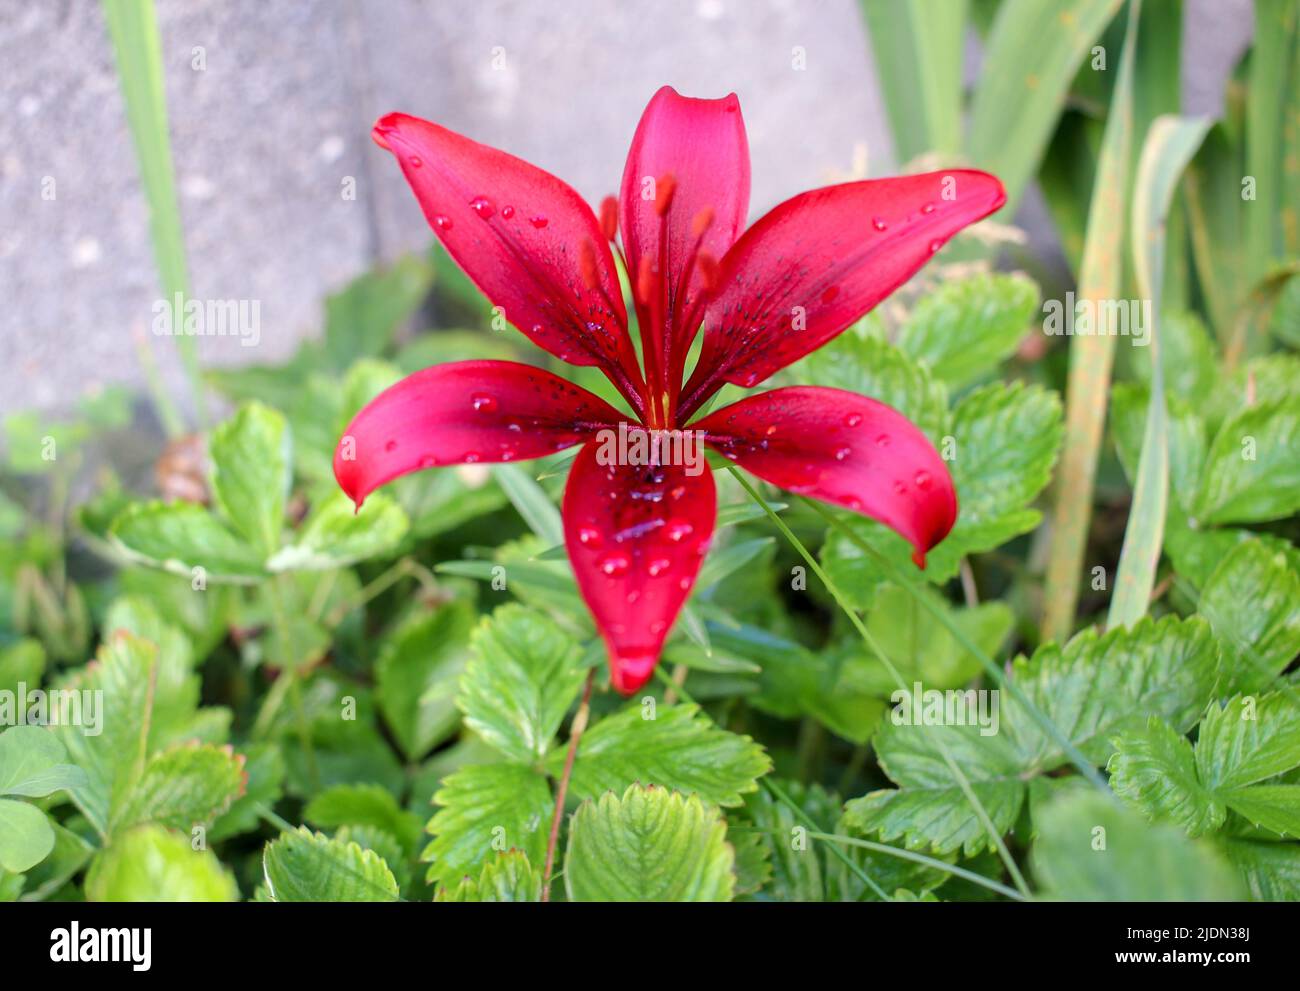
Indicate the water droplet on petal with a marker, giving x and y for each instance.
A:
(613, 564)
(589, 537)
(935, 246)
(878, 224)
(538, 221)
(442, 222)
(483, 207)
(882, 440)
(922, 480)
(843, 453)
(770, 430)
(507, 211)
(900, 487)
(684, 584)
(657, 627)
(482, 402)
(658, 566)
(678, 530)
(391, 446)
(927, 208)
(471, 457)
(416, 161)
(678, 491)
(852, 420)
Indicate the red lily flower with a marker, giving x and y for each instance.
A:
(636, 534)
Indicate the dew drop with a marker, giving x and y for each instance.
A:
(922, 480)
(843, 453)
(900, 487)
(678, 530)
(613, 564)
(678, 491)
(658, 566)
(771, 430)
(507, 211)
(882, 440)
(852, 420)
(442, 222)
(483, 207)
(538, 221)
(657, 627)
(589, 537)
(483, 403)
(928, 208)
(471, 457)
(416, 161)
(935, 246)
(878, 224)
(684, 584)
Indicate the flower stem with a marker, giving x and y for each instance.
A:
(562, 789)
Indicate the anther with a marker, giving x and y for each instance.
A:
(609, 217)
(587, 265)
(664, 190)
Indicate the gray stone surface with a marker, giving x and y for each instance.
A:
(265, 134)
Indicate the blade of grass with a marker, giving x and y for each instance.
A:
(1091, 354)
(134, 33)
(851, 614)
(1033, 53)
(1270, 65)
(532, 503)
(1169, 146)
(918, 50)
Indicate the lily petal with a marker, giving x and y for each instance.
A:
(636, 537)
(816, 263)
(525, 238)
(461, 413)
(702, 146)
(844, 449)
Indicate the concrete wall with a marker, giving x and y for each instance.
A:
(265, 133)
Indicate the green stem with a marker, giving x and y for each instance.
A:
(958, 775)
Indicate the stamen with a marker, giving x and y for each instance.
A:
(587, 265)
(702, 222)
(609, 218)
(645, 280)
(664, 190)
(708, 266)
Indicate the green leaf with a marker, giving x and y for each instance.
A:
(1155, 769)
(25, 836)
(264, 768)
(365, 316)
(1274, 807)
(363, 805)
(303, 866)
(486, 808)
(1247, 740)
(1091, 849)
(417, 673)
(532, 502)
(183, 536)
(675, 747)
(1030, 59)
(337, 534)
(1252, 601)
(183, 786)
(965, 329)
(523, 676)
(651, 845)
(508, 878)
(937, 818)
(917, 46)
(33, 763)
(1271, 870)
(250, 473)
(21, 663)
(153, 864)
(1252, 470)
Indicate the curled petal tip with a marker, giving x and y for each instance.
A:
(918, 558)
(384, 126)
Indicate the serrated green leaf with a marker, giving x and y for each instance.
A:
(25, 836)
(363, 805)
(1252, 470)
(417, 674)
(33, 763)
(487, 808)
(337, 534)
(678, 749)
(183, 536)
(181, 787)
(250, 473)
(1247, 740)
(1154, 768)
(153, 864)
(303, 866)
(521, 680)
(508, 878)
(937, 818)
(965, 329)
(1091, 849)
(650, 845)
(1271, 870)
(1252, 601)
(1274, 807)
